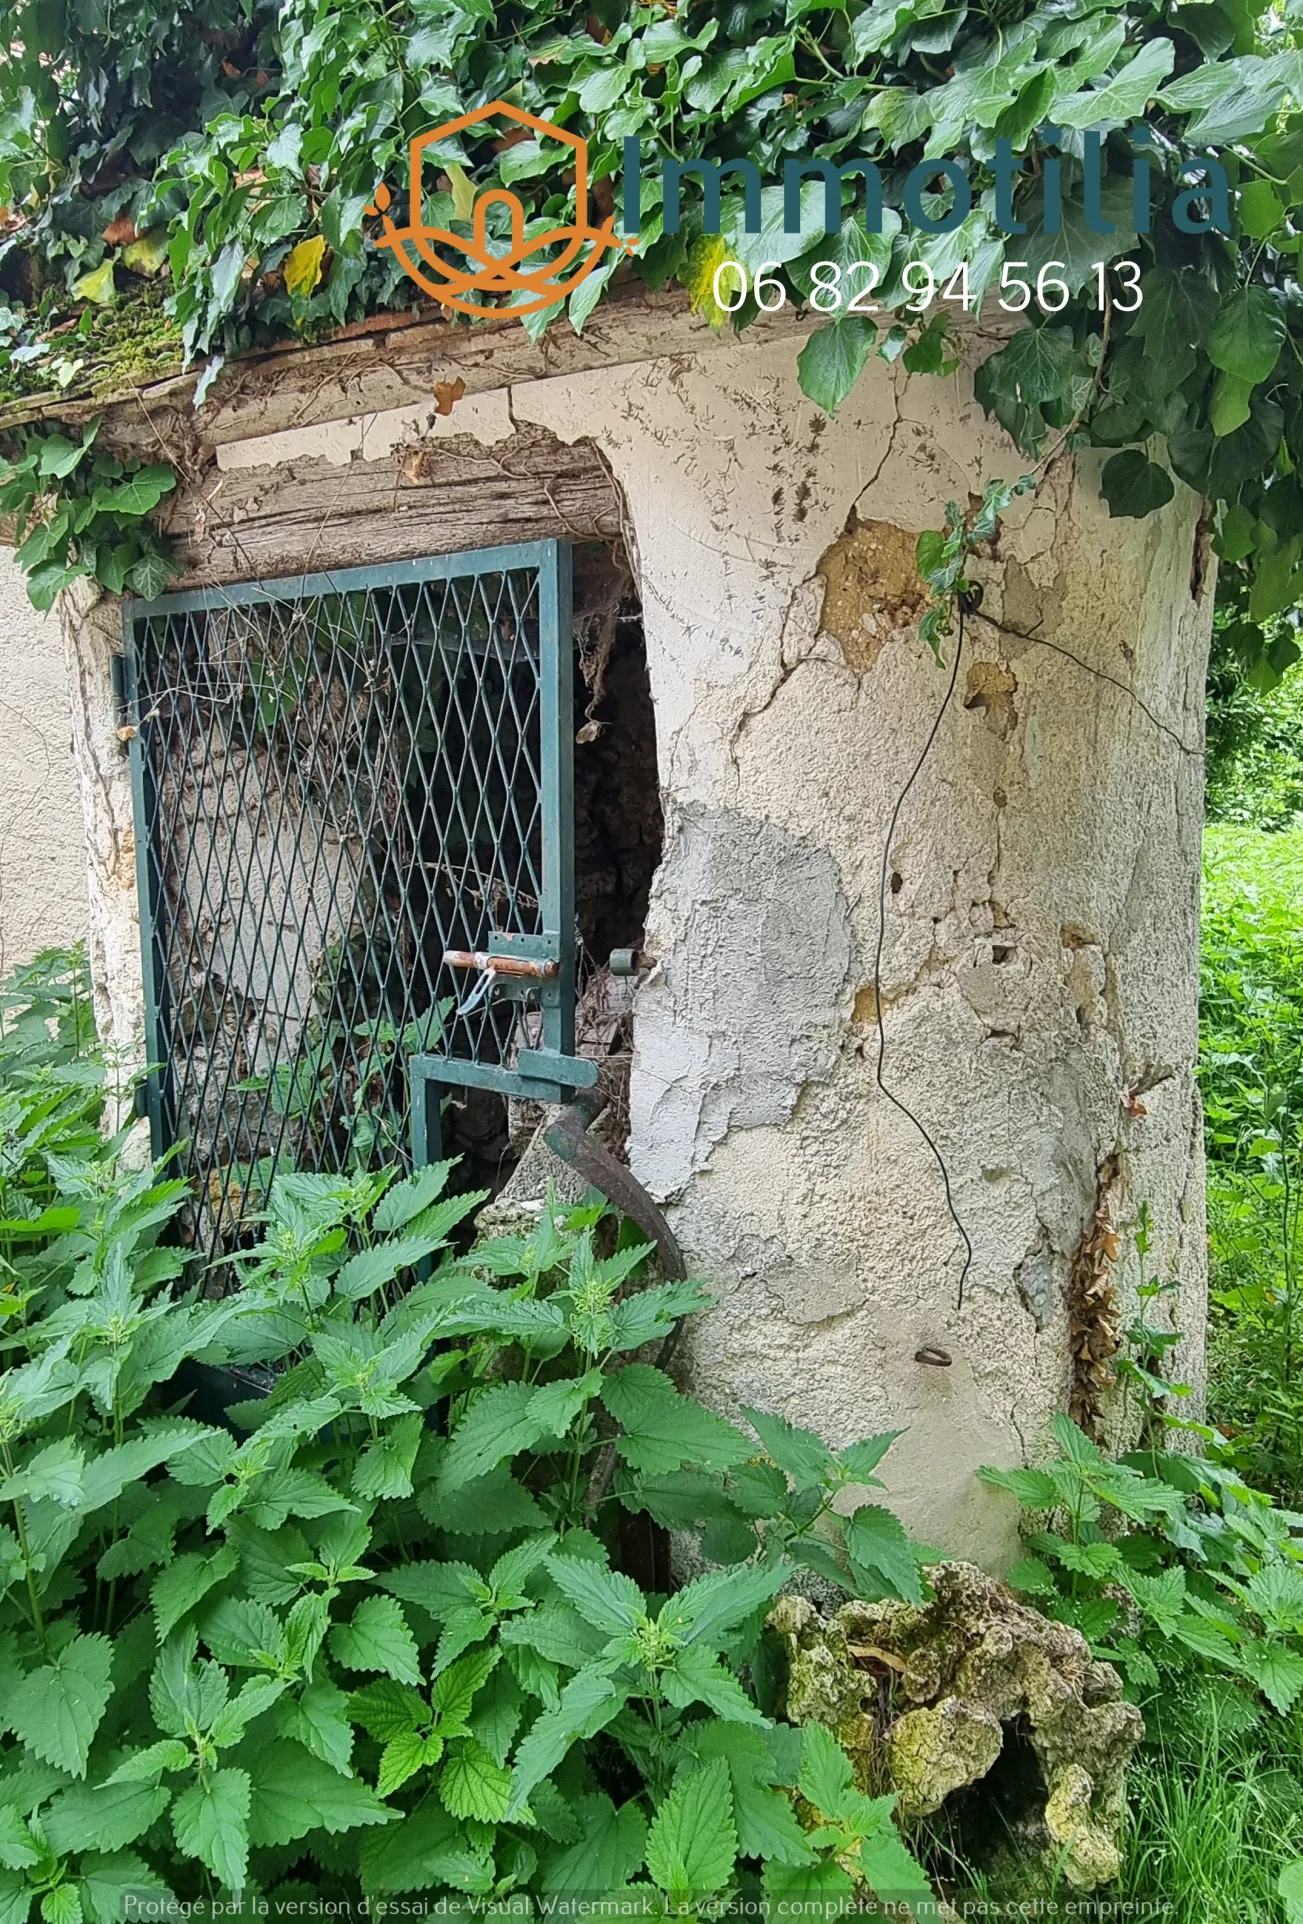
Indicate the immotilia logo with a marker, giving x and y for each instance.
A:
(490, 269)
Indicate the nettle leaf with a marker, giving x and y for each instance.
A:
(384, 1468)
(104, 1818)
(210, 1821)
(663, 1430)
(826, 1779)
(388, 1709)
(316, 1719)
(695, 1676)
(1277, 1671)
(608, 1851)
(56, 1710)
(176, 1589)
(471, 1784)
(18, 1848)
(1135, 486)
(692, 1845)
(108, 1883)
(590, 1701)
(804, 1456)
(428, 1848)
(377, 1638)
(709, 1607)
(498, 1424)
(296, 1793)
(604, 1598)
(1034, 1489)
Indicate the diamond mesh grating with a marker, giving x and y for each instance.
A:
(337, 780)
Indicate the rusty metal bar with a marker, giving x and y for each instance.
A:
(537, 970)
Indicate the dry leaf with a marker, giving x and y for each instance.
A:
(120, 232)
(447, 394)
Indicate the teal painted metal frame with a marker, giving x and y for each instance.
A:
(427, 1074)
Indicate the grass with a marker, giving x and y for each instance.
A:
(1252, 1075)
(1215, 1815)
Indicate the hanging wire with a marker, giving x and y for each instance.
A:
(896, 1101)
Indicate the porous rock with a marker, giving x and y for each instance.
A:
(927, 1699)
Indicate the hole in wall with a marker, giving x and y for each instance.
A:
(619, 837)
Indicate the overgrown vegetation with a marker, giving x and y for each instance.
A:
(234, 152)
(370, 1635)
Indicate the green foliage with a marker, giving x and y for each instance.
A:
(1252, 1078)
(1173, 1568)
(82, 513)
(374, 1635)
(239, 160)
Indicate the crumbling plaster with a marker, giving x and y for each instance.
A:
(1040, 961)
(42, 873)
(1039, 972)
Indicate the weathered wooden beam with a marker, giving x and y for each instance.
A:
(435, 497)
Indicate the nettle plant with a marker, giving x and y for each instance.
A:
(1173, 1568)
(370, 1638)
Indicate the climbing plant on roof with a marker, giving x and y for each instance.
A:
(233, 149)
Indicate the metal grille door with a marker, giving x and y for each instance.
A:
(355, 847)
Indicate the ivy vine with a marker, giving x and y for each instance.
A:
(78, 512)
(234, 145)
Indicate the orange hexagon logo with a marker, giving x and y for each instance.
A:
(488, 271)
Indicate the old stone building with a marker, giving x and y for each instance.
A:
(750, 700)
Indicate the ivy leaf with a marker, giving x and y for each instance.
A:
(1124, 95)
(833, 359)
(97, 286)
(211, 1822)
(302, 269)
(1038, 364)
(56, 1710)
(1261, 209)
(139, 494)
(1133, 485)
(1249, 334)
(377, 1638)
(692, 1845)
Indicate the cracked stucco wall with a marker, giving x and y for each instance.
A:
(1039, 969)
(42, 869)
(1040, 954)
